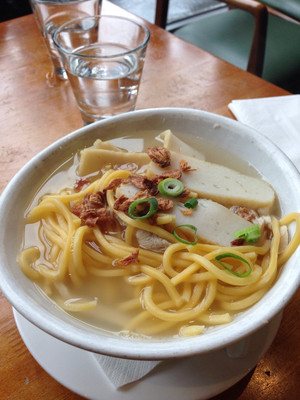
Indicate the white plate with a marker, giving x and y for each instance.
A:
(186, 379)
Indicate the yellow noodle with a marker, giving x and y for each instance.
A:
(107, 272)
(185, 274)
(144, 315)
(76, 257)
(187, 291)
(252, 256)
(209, 248)
(140, 280)
(242, 304)
(61, 222)
(64, 256)
(136, 303)
(111, 175)
(167, 259)
(223, 275)
(54, 253)
(74, 306)
(165, 281)
(95, 186)
(145, 256)
(114, 251)
(214, 319)
(59, 227)
(194, 299)
(293, 244)
(200, 277)
(26, 259)
(100, 258)
(163, 219)
(191, 330)
(54, 238)
(180, 315)
(129, 231)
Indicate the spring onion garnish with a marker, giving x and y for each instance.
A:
(183, 240)
(250, 234)
(153, 206)
(231, 255)
(170, 187)
(191, 203)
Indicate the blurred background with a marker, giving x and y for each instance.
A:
(180, 11)
(228, 35)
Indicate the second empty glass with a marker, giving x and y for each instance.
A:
(50, 14)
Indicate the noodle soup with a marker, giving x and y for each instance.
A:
(93, 245)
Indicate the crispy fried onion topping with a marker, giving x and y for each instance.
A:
(92, 211)
(160, 156)
(130, 259)
(244, 212)
(142, 182)
(81, 183)
(184, 167)
(174, 173)
(139, 181)
(113, 184)
(122, 203)
(188, 211)
(238, 242)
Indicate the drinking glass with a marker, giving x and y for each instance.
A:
(50, 14)
(104, 58)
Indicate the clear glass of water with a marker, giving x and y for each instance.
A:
(50, 14)
(104, 58)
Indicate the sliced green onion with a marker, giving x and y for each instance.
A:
(186, 241)
(231, 255)
(153, 207)
(250, 234)
(191, 203)
(171, 187)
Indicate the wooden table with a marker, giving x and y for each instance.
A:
(35, 111)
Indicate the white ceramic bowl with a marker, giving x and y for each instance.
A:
(224, 132)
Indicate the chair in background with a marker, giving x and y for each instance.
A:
(250, 36)
(289, 8)
(10, 9)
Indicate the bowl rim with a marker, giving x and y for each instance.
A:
(140, 349)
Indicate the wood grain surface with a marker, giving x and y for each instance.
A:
(36, 110)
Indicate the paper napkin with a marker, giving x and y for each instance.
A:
(278, 118)
(120, 371)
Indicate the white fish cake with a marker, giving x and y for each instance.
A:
(215, 223)
(221, 184)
